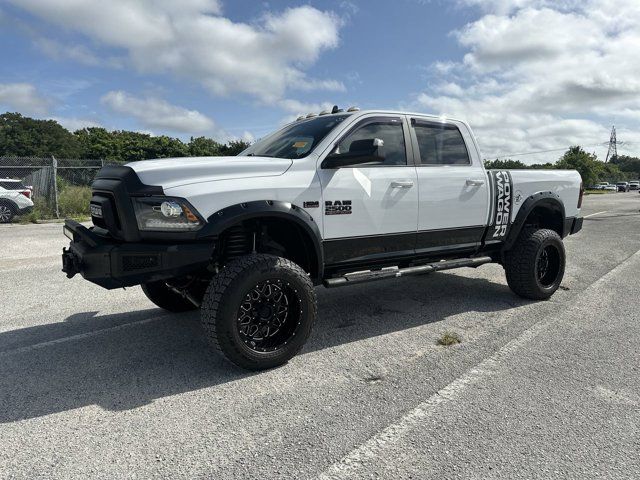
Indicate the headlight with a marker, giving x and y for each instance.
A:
(164, 214)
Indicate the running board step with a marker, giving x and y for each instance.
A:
(394, 272)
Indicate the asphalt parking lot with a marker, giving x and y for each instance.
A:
(103, 384)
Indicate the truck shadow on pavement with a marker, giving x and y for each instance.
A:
(145, 355)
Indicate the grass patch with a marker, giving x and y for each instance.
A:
(597, 192)
(41, 211)
(449, 338)
(74, 201)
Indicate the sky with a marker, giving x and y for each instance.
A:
(528, 75)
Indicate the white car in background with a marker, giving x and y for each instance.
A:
(15, 199)
(634, 185)
(607, 186)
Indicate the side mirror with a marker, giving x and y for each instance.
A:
(370, 150)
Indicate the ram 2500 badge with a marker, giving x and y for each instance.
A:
(335, 199)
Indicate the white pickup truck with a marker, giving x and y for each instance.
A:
(333, 199)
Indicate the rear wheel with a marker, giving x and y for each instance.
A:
(259, 311)
(535, 265)
(7, 212)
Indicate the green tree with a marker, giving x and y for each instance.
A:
(23, 136)
(629, 165)
(234, 147)
(587, 164)
(543, 166)
(498, 164)
(203, 147)
(97, 142)
(612, 173)
(166, 147)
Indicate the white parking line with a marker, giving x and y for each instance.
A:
(37, 346)
(594, 214)
(373, 448)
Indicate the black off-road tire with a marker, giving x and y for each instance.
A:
(231, 289)
(160, 294)
(7, 211)
(524, 262)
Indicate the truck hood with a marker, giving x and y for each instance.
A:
(175, 172)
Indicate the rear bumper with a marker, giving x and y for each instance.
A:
(113, 264)
(25, 210)
(576, 225)
(572, 225)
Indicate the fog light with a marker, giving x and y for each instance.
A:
(171, 209)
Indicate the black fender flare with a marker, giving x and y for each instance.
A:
(233, 214)
(541, 199)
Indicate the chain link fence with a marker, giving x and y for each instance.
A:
(60, 186)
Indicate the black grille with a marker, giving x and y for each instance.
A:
(132, 263)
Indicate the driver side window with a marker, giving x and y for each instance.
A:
(391, 134)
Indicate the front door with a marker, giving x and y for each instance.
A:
(371, 209)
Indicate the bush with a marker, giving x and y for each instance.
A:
(449, 338)
(73, 201)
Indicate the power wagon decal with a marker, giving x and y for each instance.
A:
(337, 207)
(502, 202)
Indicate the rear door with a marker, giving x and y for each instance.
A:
(452, 184)
(371, 210)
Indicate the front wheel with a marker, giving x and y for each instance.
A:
(259, 311)
(535, 265)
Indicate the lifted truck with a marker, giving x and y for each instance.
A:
(335, 199)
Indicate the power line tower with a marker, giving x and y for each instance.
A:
(612, 153)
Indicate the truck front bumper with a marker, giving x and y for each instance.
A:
(112, 264)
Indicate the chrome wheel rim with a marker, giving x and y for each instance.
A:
(5, 213)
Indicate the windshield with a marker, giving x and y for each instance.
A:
(296, 140)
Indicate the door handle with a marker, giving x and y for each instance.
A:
(474, 183)
(402, 184)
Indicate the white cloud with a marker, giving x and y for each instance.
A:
(540, 74)
(73, 123)
(295, 108)
(156, 113)
(78, 53)
(24, 98)
(503, 7)
(192, 39)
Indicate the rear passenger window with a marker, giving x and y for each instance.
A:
(441, 144)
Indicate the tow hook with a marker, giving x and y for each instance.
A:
(70, 263)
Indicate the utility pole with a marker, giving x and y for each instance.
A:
(54, 165)
(612, 153)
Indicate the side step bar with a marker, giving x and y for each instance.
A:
(393, 272)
